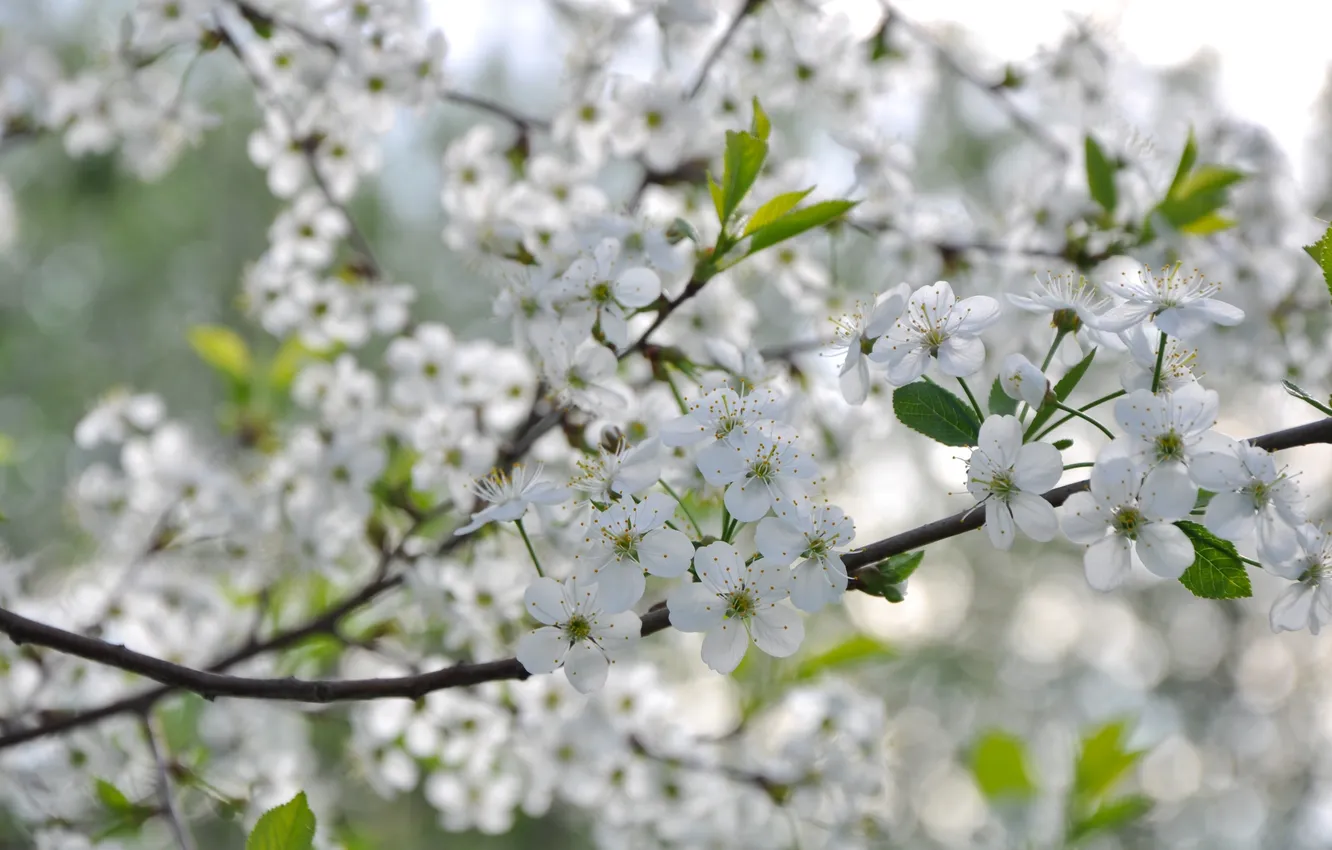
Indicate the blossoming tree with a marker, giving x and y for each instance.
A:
(518, 558)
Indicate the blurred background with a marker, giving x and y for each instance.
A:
(101, 273)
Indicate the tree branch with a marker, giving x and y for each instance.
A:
(211, 684)
(180, 827)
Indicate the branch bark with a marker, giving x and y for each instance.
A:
(211, 684)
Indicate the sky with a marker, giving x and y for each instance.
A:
(1272, 65)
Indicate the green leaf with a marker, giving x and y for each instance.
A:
(743, 161)
(886, 578)
(774, 209)
(1290, 387)
(1102, 761)
(999, 402)
(760, 126)
(936, 413)
(1101, 176)
(1203, 499)
(7, 449)
(999, 763)
(113, 798)
(1199, 195)
(1110, 816)
(1062, 444)
(860, 649)
(223, 349)
(1217, 571)
(290, 826)
(1321, 251)
(1062, 390)
(290, 359)
(796, 222)
(717, 201)
(1208, 224)
(1186, 160)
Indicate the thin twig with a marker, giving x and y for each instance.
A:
(715, 53)
(211, 684)
(179, 826)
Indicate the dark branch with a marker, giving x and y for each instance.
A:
(211, 684)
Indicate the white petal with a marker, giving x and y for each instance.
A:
(1083, 520)
(810, 589)
(960, 356)
(544, 600)
(769, 579)
(665, 552)
(1219, 312)
(618, 632)
(1291, 610)
(777, 631)
(978, 313)
(777, 541)
(725, 645)
(999, 524)
(1121, 318)
(1107, 563)
(586, 666)
(718, 566)
(910, 366)
(721, 464)
(1000, 439)
(637, 287)
(1277, 542)
(1230, 515)
(1164, 549)
(684, 431)
(619, 586)
(1039, 467)
(1035, 516)
(854, 380)
(694, 608)
(1167, 493)
(748, 500)
(541, 650)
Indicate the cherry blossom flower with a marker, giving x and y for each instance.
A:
(724, 415)
(812, 536)
(732, 602)
(1181, 304)
(936, 325)
(624, 471)
(1262, 498)
(1172, 430)
(580, 632)
(856, 335)
(1127, 513)
(762, 471)
(1308, 602)
(510, 494)
(608, 291)
(626, 539)
(1008, 478)
(1144, 342)
(1022, 380)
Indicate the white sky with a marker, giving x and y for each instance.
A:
(1273, 57)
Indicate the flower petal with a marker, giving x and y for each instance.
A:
(1107, 563)
(665, 552)
(637, 287)
(748, 500)
(1290, 612)
(694, 608)
(542, 650)
(725, 645)
(1164, 549)
(1035, 516)
(777, 631)
(587, 667)
(544, 600)
(777, 541)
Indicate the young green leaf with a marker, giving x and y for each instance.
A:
(744, 159)
(774, 209)
(290, 826)
(1217, 571)
(1062, 444)
(113, 798)
(760, 126)
(1101, 762)
(860, 649)
(1294, 390)
(1110, 816)
(796, 222)
(999, 763)
(1186, 160)
(223, 349)
(718, 199)
(1199, 195)
(1100, 176)
(885, 579)
(1000, 403)
(936, 413)
(1321, 251)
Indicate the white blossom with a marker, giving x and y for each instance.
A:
(1180, 304)
(936, 325)
(510, 494)
(857, 333)
(1262, 498)
(1308, 602)
(764, 470)
(624, 540)
(1023, 381)
(812, 537)
(1008, 477)
(580, 632)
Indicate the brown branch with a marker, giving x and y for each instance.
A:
(180, 827)
(715, 53)
(211, 684)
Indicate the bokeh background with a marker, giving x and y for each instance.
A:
(102, 274)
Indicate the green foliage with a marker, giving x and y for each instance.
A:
(936, 413)
(1303, 396)
(7, 449)
(774, 209)
(797, 222)
(1101, 177)
(1321, 251)
(742, 162)
(1000, 403)
(885, 579)
(223, 349)
(1217, 571)
(854, 651)
(1062, 444)
(1062, 390)
(760, 126)
(999, 763)
(1192, 202)
(1103, 760)
(290, 826)
(125, 816)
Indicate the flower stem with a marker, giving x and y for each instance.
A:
(975, 405)
(1054, 346)
(1160, 361)
(1086, 407)
(1069, 466)
(675, 391)
(1078, 413)
(1251, 562)
(676, 496)
(536, 562)
(726, 524)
